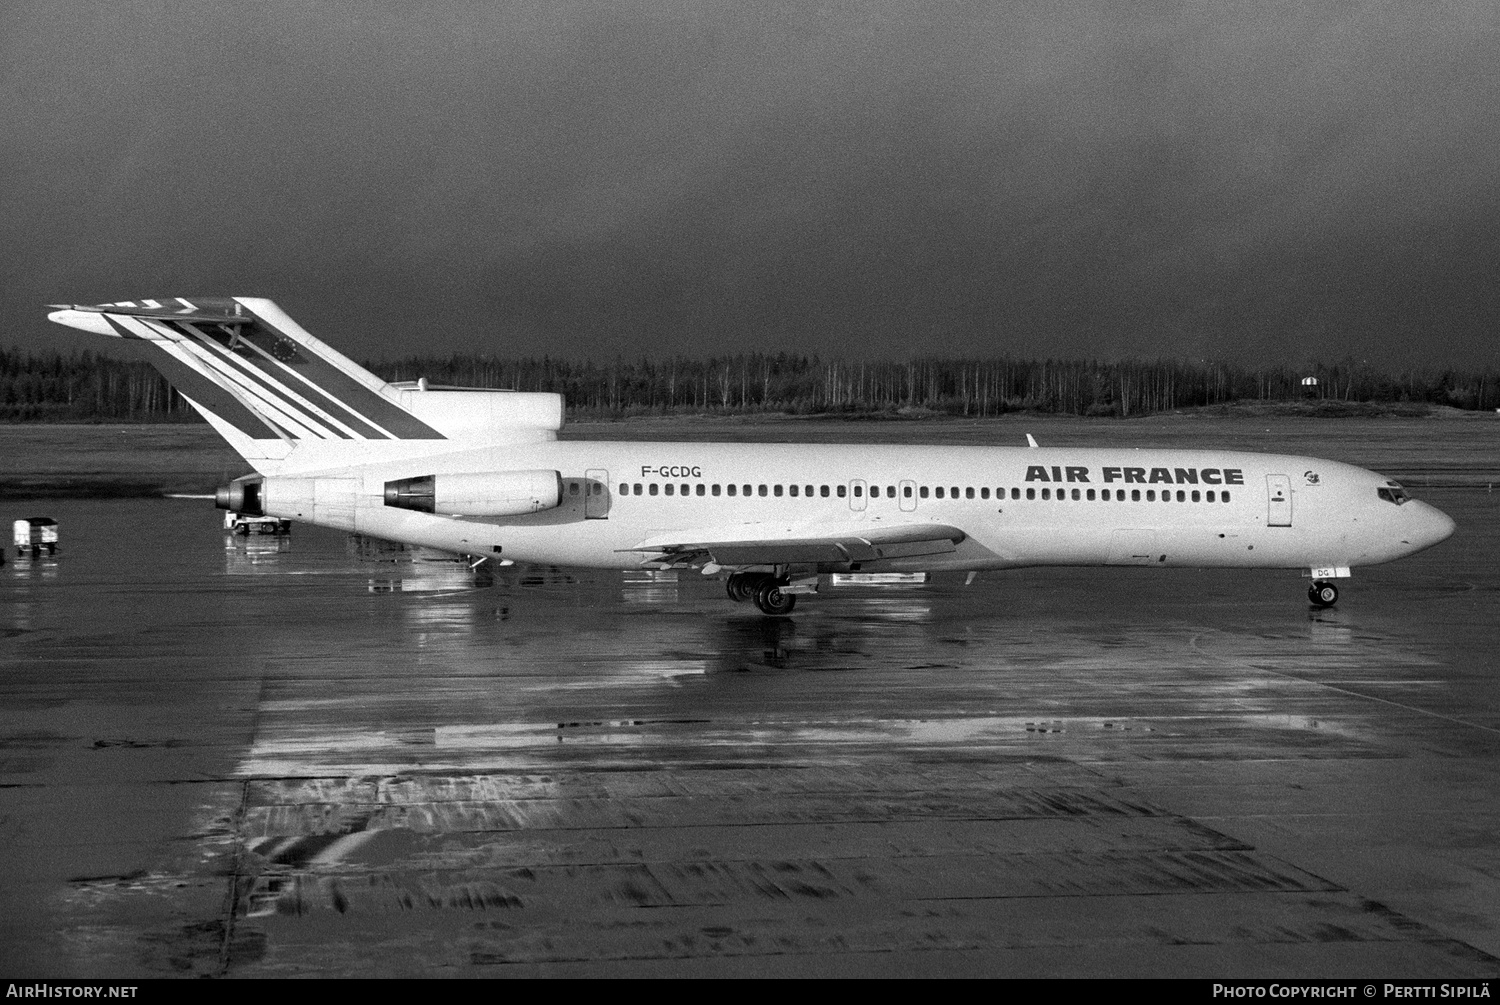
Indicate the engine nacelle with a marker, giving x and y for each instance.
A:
(486, 415)
(241, 496)
(495, 493)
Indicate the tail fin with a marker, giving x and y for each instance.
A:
(261, 380)
(268, 387)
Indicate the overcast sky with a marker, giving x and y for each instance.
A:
(1253, 181)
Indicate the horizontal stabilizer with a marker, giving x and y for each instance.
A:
(191, 313)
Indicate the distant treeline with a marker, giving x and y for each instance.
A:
(84, 387)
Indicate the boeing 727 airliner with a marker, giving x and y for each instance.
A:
(482, 473)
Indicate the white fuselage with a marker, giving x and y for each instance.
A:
(1017, 506)
(450, 468)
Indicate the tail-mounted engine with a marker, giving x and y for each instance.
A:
(243, 495)
(498, 493)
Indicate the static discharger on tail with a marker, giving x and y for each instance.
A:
(481, 472)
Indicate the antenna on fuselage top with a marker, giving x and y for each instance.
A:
(1031, 442)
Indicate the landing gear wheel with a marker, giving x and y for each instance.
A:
(771, 600)
(1322, 594)
(741, 587)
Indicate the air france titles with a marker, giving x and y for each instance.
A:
(1138, 476)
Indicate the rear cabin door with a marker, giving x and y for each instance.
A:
(596, 502)
(1279, 501)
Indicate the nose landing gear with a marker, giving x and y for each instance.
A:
(1322, 594)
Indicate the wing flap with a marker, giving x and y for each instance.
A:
(753, 545)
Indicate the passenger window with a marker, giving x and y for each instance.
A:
(1135, 495)
(955, 493)
(1075, 495)
(732, 489)
(1046, 493)
(716, 490)
(842, 491)
(906, 491)
(922, 491)
(669, 488)
(1151, 495)
(1195, 495)
(637, 488)
(890, 491)
(747, 490)
(700, 490)
(775, 491)
(859, 490)
(809, 491)
(969, 493)
(1016, 494)
(984, 493)
(572, 488)
(653, 488)
(1211, 495)
(823, 491)
(763, 490)
(1223, 496)
(792, 490)
(1091, 495)
(1030, 493)
(1182, 495)
(938, 491)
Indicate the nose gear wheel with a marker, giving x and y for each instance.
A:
(1322, 594)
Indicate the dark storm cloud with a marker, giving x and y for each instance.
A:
(1250, 181)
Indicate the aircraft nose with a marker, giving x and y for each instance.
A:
(1433, 525)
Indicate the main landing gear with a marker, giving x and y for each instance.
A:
(1322, 593)
(768, 592)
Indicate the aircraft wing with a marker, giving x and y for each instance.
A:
(778, 544)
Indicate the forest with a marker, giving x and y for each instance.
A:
(87, 387)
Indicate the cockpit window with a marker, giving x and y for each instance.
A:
(1392, 493)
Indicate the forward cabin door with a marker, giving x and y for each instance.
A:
(596, 501)
(1279, 504)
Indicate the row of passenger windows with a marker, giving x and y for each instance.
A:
(924, 492)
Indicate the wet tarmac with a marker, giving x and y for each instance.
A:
(315, 757)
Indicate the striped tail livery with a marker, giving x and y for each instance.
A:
(269, 387)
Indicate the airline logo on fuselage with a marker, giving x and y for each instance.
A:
(1138, 476)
